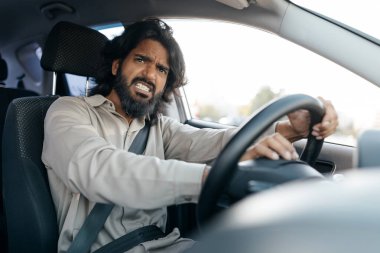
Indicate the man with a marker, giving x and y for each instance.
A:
(87, 138)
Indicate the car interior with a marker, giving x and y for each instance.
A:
(65, 55)
(341, 201)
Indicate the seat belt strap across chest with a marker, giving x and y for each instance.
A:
(100, 212)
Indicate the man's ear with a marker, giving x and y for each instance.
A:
(115, 66)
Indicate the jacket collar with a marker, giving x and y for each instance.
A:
(98, 100)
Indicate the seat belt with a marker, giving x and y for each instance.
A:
(132, 239)
(100, 212)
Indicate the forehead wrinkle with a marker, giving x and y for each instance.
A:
(153, 52)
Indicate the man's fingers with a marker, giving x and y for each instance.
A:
(265, 151)
(282, 146)
(322, 130)
(276, 146)
(329, 122)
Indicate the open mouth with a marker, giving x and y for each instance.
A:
(143, 89)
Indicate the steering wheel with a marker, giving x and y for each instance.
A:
(226, 163)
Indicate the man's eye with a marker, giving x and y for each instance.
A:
(163, 70)
(139, 59)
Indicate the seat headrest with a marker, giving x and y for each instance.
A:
(3, 69)
(72, 48)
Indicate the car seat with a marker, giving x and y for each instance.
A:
(29, 210)
(6, 96)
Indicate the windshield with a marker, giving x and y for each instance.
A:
(361, 15)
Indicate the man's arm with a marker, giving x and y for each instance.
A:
(191, 144)
(88, 164)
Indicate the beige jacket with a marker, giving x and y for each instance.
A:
(85, 153)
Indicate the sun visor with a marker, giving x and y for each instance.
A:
(237, 4)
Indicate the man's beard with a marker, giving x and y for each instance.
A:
(132, 107)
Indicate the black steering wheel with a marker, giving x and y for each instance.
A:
(226, 163)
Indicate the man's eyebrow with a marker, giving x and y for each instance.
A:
(149, 59)
(144, 57)
(167, 68)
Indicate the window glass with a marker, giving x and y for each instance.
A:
(77, 84)
(232, 70)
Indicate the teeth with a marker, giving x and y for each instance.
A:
(142, 87)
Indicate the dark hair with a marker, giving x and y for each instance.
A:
(121, 46)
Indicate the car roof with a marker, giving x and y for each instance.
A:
(22, 20)
(24, 23)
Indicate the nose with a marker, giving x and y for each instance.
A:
(150, 72)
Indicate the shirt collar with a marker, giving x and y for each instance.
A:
(97, 100)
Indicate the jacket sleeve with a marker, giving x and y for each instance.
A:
(87, 164)
(191, 144)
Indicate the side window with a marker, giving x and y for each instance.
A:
(30, 76)
(232, 70)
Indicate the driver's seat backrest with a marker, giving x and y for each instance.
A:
(29, 209)
(6, 96)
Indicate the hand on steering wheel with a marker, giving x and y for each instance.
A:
(272, 147)
(226, 163)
